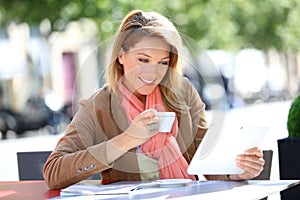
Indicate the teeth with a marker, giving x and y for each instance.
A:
(146, 81)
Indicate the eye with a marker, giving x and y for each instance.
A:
(164, 63)
(144, 60)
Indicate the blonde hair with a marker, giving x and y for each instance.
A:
(139, 24)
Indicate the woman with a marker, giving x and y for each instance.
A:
(115, 131)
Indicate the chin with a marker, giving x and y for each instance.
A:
(145, 91)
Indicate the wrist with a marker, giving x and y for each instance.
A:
(233, 177)
(123, 142)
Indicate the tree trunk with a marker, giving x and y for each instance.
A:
(292, 76)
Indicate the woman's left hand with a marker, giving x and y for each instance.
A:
(251, 162)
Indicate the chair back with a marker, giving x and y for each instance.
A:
(31, 164)
(265, 174)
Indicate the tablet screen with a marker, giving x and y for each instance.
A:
(218, 157)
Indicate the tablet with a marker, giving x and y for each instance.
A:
(217, 152)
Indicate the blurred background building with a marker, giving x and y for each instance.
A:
(52, 53)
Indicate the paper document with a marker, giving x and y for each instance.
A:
(218, 150)
(113, 189)
(84, 189)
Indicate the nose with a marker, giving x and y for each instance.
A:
(151, 68)
(155, 68)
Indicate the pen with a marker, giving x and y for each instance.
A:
(137, 188)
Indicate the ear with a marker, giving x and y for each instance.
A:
(121, 56)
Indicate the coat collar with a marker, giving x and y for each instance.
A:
(118, 112)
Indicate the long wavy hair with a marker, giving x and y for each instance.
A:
(135, 26)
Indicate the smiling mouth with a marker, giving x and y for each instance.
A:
(146, 81)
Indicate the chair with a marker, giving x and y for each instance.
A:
(31, 164)
(265, 174)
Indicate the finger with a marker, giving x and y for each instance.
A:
(148, 113)
(252, 167)
(250, 159)
(258, 165)
(152, 120)
(149, 116)
(254, 151)
(251, 170)
(152, 117)
(153, 127)
(148, 121)
(145, 117)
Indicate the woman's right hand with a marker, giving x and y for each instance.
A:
(143, 127)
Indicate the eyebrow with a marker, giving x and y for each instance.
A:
(168, 57)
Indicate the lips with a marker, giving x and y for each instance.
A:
(147, 81)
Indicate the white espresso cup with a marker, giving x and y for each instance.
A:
(166, 120)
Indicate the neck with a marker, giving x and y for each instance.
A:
(142, 98)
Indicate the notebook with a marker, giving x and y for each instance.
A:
(217, 152)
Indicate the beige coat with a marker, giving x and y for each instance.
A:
(83, 150)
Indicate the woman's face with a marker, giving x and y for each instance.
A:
(145, 65)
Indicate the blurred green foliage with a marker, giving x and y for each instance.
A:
(216, 24)
(293, 122)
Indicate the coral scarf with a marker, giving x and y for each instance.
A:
(162, 146)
